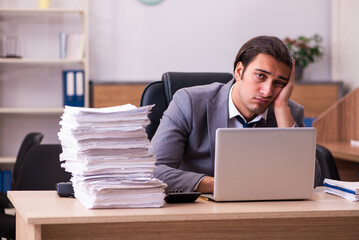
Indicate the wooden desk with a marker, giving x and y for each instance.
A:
(346, 157)
(342, 150)
(43, 215)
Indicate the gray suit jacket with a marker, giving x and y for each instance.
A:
(184, 142)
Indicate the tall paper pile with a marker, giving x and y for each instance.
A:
(106, 151)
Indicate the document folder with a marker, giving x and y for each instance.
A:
(74, 88)
(69, 88)
(79, 89)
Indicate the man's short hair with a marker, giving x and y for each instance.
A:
(272, 46)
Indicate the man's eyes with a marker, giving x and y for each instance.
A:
(280, 83)
(277, 83)
(260, 75)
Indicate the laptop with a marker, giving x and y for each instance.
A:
(254, 164)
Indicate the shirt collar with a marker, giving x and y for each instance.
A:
(233, 111)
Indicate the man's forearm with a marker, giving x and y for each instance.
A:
(176, 179)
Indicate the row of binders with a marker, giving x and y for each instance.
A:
(72, 45)
(106, 152)
(74, 87)
(347, 190)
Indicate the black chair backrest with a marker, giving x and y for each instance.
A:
(41, 169)
(174, 81)
(31, 140)
(327, 163)
(154, 94)
(161, 93)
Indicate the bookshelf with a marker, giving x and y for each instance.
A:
(31, 92)
(31, 111)
(39, 11)
(39, 61)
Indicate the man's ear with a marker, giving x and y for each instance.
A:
(238, 71)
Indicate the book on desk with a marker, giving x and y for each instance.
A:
(347, 190)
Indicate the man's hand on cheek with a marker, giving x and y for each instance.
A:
(283, 97)
(282, 112)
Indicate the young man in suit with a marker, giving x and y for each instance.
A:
(184, 142)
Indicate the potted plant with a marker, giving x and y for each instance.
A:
(305, 50)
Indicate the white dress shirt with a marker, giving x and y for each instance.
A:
(233, 112)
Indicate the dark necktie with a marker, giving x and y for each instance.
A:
(244, 124)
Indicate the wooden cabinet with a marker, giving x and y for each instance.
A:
(108, 94)
(316, 97)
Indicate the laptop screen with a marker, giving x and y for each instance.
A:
(264, 163)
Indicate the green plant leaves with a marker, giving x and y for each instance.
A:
(305, 50)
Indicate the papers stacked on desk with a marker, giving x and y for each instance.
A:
(106, 150)
(347, 190)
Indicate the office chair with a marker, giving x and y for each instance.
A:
(7, 222)
(31, 140)
(41, 169)
(327, 164)
(160, 93)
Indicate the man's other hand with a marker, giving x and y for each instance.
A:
(206, 185)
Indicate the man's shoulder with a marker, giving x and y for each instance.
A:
(294, 106)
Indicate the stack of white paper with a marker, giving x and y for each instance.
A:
(106, 150)
(347, 190)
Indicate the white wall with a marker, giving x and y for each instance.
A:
(345, 48)
(130, 41)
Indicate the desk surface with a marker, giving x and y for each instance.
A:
(342, 150)
(46, 209)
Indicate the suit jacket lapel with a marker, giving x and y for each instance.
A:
(217, 114)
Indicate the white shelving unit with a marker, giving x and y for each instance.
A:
(39, 61)
(7, 159)
(40, 11)
(31, 87)
(31, 111)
